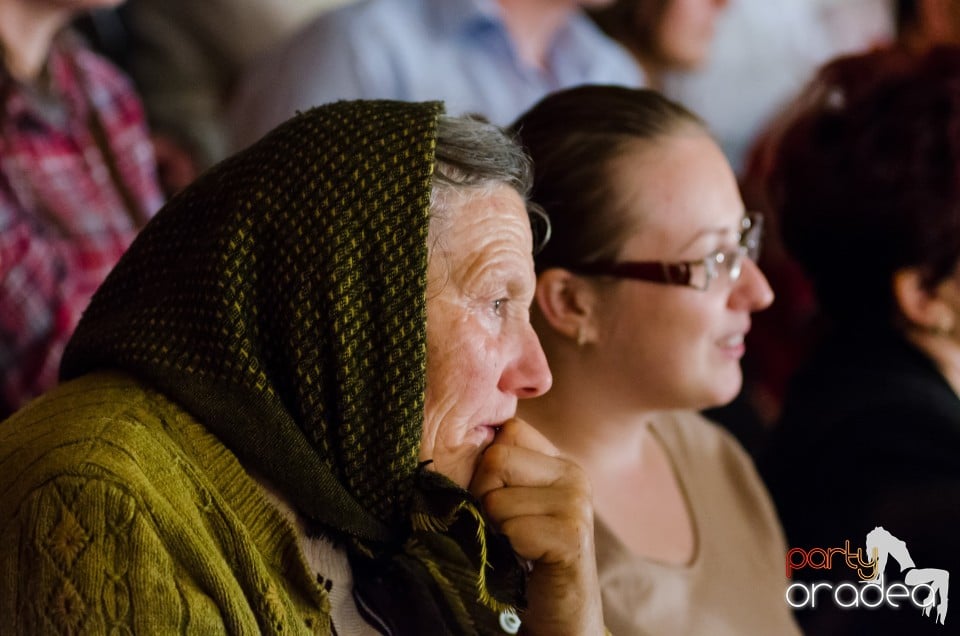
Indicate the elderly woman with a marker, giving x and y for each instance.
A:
(644, 296)
(867, 185)
(278, 399)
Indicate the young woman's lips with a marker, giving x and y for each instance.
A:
(733, 345)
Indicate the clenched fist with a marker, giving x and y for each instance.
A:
(542, 502)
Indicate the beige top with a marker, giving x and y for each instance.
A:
(736, 582)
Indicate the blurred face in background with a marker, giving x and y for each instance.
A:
(685, 31)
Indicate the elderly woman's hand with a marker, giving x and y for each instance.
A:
(542, 502)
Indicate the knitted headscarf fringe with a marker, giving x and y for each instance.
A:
(430, 523)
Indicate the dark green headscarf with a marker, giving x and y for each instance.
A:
(281, 300)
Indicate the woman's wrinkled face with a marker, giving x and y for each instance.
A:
(482, 353)
(685, 31)
(668, 346)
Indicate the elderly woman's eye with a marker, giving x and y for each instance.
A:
(499, 305)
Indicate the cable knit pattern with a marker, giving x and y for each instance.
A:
(108, 493)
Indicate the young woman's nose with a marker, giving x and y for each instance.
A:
(751, 291)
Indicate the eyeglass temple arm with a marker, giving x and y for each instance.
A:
(651, 271)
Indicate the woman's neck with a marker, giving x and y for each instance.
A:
(533, 24)
(944, 350)
(652, 71)
(27, 29)
(587, 427)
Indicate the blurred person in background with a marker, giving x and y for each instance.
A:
(77, 181)
(785, 335)
(866, 183)
(662, 35)
(492, 57)
(185, 58)
(762, 55)
(925, 23)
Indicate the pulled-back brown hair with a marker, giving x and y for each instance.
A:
(573, 137)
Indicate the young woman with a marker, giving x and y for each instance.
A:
(644, 296)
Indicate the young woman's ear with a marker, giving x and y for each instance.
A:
(566, 302)
(933, 310)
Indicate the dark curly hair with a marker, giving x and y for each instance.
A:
(866, 178)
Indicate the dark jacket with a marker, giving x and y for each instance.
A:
(870, 436)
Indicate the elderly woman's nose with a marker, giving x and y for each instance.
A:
(528, 375)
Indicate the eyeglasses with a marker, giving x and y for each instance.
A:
(697, 274)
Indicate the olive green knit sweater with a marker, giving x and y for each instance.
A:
(119, 513)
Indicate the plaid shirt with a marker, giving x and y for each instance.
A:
(77, 180)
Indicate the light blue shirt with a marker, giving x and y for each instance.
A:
(457, 51)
